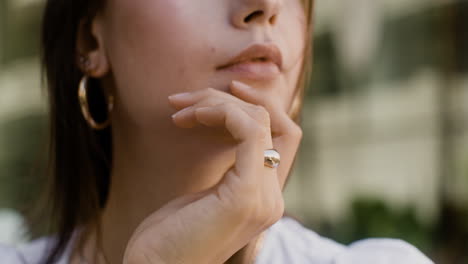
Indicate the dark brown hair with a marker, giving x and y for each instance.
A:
(79, 157)
(79, 161)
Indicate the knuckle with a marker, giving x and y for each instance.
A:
(268, 210)
(209, 101)
(262, 114)
(259, 132)
(230, 105)
(260, 108)
(297, 131)
(279, 209)
(271, 214)
(294, 131)
(275, 210)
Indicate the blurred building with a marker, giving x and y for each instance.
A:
(386, 125)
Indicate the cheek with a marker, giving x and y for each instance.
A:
(291, 33)
(155, 50)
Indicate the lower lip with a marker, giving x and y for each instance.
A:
(255, 70)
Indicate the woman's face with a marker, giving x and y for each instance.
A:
(155, 48)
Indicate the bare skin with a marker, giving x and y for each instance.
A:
(192, 188)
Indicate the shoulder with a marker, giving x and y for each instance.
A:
(32, 252)
(382, 250)
(287, 241)
(25, 253)
(10, 254)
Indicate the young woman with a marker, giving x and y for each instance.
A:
(174, 126)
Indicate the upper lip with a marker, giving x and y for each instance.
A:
(257, 51)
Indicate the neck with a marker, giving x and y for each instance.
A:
(153, 170)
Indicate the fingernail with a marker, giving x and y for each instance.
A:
(181, 111)
(178, 96)
(240, 85)
(201, 109)
(175, 115)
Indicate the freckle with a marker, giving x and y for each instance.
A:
(213, 49)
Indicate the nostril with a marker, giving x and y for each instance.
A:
(253, 15)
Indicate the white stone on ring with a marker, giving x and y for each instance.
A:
(271, 158)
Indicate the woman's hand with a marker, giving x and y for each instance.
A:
(210, 226)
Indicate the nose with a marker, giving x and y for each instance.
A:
(248, 12)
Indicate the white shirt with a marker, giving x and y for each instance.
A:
(285, 242)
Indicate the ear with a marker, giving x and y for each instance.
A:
(91, 55)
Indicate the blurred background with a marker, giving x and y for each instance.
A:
(385, 148)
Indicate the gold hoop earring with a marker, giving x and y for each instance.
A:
(82, 96)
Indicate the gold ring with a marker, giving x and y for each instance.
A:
(271, 158)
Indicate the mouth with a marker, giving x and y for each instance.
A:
(260, 61)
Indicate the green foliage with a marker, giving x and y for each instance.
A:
(370, 218)
(21, 159)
